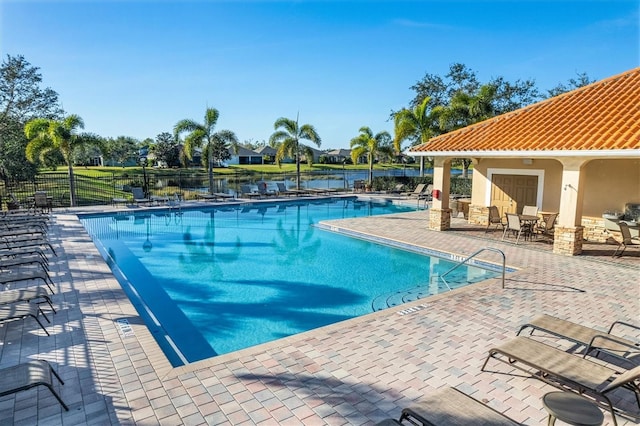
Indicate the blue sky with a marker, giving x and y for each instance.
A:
(135, 68)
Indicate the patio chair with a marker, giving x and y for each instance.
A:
(417, 191)
(530, 210)
(282, 189)
(566, 371)
(21, 311)
(546, 227)
(494, 219)
(138, 196)
(453, 407)
(8, 297)
(427, 193)
(42, 202)
(591, 338)
(249, 191)
(264, 190)
(625, 239)
(28, 375)
(514, 225)
(358, 185)
(13, 203)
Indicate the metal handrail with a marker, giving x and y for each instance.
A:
(462, 262)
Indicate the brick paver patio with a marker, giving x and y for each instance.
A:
(356, 372)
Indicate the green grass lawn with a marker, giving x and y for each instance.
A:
(231, 170)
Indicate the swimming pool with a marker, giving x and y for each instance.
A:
(217, 279)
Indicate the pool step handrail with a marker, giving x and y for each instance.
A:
(466, 260)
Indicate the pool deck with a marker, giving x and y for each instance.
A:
(357, 372)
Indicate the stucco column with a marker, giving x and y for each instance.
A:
(568, 233)
(440, 214)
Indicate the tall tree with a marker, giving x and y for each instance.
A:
(166, 149)
(581, 80)
(466, 109)
(371, 146)
(21, 99)
(459, 99)
(203, 135)
(47, 135)
(287, 138)
(121, 149)
(509, 96)
(417, 125)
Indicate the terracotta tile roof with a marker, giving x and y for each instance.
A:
(601, 116)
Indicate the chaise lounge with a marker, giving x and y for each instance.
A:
(8, 297)
(21, 311)
(591, 338)
(566, 371)
(28, 375)
(138, 196)
(27, 275)
(18, 243)
(451, 407)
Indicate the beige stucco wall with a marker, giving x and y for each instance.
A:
(609, 185)
(549, 172)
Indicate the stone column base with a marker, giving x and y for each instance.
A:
(568, 240)
(439, 219)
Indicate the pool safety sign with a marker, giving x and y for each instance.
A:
(125, 327)
(412, 309)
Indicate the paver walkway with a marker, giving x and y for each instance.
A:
(355, 372)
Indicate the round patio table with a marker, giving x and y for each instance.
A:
(571, 408)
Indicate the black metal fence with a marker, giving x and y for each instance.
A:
(101, 190)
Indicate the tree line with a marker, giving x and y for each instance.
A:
(36, 132)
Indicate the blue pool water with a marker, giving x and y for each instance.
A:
(217, 279)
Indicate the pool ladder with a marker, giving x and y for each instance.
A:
(388, 300)
(466, 260)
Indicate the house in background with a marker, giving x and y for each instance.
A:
(268, 152)
(244, 156)
(337, 156)
(316, 155)
(577, 154)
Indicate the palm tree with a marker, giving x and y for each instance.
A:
(368, 144)
(287, 137)
(47, 136)
(202, 135)
(465, 109)
(419, 124)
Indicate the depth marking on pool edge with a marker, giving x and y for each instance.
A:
(125, 327)
(412, 310)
